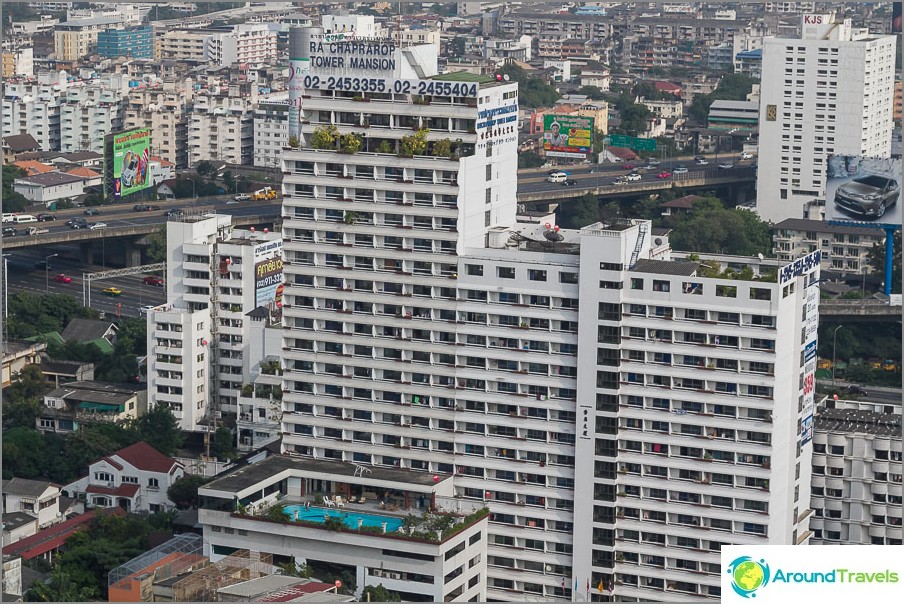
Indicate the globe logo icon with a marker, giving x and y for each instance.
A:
(748, 575)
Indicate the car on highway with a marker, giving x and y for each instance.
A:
(726, 166)
(633, 177)
(868, 196)
(141, 207)
(620, 181)
(746, 155)
(701, 162)
(242, 197)
(232, 202)
(653, 162)
(147, 308)
(679, 170)
(92, 212)
(569, 183)
(699, 157)
(77, 223)
(628, 167)
(63, 278)
(46, 217)
(112, 291)
(650, 167)
(174, 212)
(557, 176)
(154, 280)
(44, 265)
(10, 231)
(97, 225)
(663, 175)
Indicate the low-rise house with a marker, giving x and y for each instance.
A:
(87, 331)
(88, 176)
(59, 372)
(135, 479)
(49, 187)
(681, 205)
(18, 526)
(17, 144)
(38, 498)
(33, 166)
(18, 355)
(46, 543)
(72, 405)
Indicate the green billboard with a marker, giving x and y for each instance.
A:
(131, 156)
(567, 135)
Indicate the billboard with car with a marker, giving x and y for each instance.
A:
(131, 156)
(567, 135)
(863, 189)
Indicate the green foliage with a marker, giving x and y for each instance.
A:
(325, 137)
(23, 453)
(29, 383)
(160, 429)
(532, 91)
(229, 181)
(877, 262)
(184, 189)
(21, 412)
(94, 200)
(592, 92)
(442, 148)
(293, 141)
(291, 569)
(156, 250)
(414, 144)
(12, 201)
(223, 444)
(379, 593)
(350, 143)
(351, 217)
(385, 147)
(634, 119)
(205, 169)
(529, 159)
(184, 492)
(35, 314)
(861, 340)
(457, 49)
(733, 87)
(711, 228)
(579, 212)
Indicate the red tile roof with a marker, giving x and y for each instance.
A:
(113, 463)
(686, 202)
(162, 161)
(83, 172)
(290, 593)
(123, 490)
(667, 87)
(53, 537)
(33, 167)
(145, 457)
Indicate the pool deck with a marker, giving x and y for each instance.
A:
(364, 508)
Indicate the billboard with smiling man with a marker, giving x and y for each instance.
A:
(567, 135)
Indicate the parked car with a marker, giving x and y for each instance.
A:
(46, 217)
(726, 166)
(10, 231)
(92, 212)
(62, 278)
(97, 225)
(868, 196)
(746, 155)
(679, 170)
(663, 175)
(633, 177)
(154, 280)
(112, 291)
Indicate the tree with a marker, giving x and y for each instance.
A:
(13, 201)
(31, 314)
(160, 429)
(23, 453)
(59, 588)
(229, 181)
(442, 148)
(379, 593)
(291, 569)
(634, 119)
(532, 91)
(529, 159)
(184, 492)
(223, 445)
(579, 212)
(325, 137)
(592, 92)
(457, 46)
(22, 413)
(711, 228)
(733, 87)
(205, 169)
(29, 383)
(156, 250)
(414, 144)
(350, 143)
(876, 260)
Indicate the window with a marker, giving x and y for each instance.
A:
(486, 218)
(636, 283)
(536, 275)
(475, 270)
(153, 483)
(505, 272)
(103, 476)
(660, 286)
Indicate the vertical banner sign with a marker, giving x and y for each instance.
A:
(811, 327)
(299, 64)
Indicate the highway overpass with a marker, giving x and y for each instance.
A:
(869, 309)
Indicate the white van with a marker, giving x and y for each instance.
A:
(25, 218)
(9, 218)
(558, 177)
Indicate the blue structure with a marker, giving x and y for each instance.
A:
(136, 42)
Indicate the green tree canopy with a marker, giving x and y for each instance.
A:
(580, 212)
(592, 92)
(33, 314)
(378, 593)
(13, 201)
(712, 228)
(184, 492)
(733, 87)
(160, 429)
(532, 91)
(529, 159)
(205, 169)
(223, 445)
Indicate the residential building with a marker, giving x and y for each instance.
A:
(135, 42)
(448, 566)
(221, 128)
(749, 62)
(90, 111)
(38, 498)
(182, 44)
(271, 129)
(17, 526)
(200, 341)
(59, 372)
(602, 79)
(251, 44)
(829, 92)
(663, 108)
(89, 176)
(12, 575)
(134, 479)
(47, 543)
(501, 50)
(163, 109)
(259, 403)
(19, 62)
(419, 35)
(845, 249)
(898, 108)
(17, 144)
(49, 187)
(18, 355)
(76, 404)
(73, 40)
(363, 26)
(856, 487)
(33, 108)
(126, 13)
(734, 115)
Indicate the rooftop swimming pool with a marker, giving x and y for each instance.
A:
(350, 519)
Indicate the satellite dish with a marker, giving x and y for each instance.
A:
(506, 77)
(760, 256)
(658, 241)
(553, 236)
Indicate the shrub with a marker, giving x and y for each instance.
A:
(325, 137)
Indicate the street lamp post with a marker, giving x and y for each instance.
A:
(837, 327)
(5, 287)
(47, 272)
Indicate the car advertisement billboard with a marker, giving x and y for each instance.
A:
(567, 135)
(131, 155)
(863, 189)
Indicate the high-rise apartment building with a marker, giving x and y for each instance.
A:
(856, 490)
(271, 129)
(163, 109)
(135, 42)
(91, 110)
(221, 127)
(73, 40)
(199, 341)
(829, 92)
(33, 107)
(249, 44)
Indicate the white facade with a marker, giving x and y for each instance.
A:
(663, 109)
(221, 128)
(691, 404)
(40, 499)
(33, 108)
(830, 92)
(260, 410)
(251, 44)
(163, 109)
(135, 478)
(49, 187)
(271, 129)
(856, 489)
(90, 111)
(412, 37)
(182, 44)
(198, 342)
(600, 79)
(362, 26)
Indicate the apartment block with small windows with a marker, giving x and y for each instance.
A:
(163, 109)
(845, 249)
(271, 129)
(90, 111)
(221, 127)
(856, 486)
(33, 108)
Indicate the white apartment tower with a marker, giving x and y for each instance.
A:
(829, 92)
(199, 341)
(163, 109)
(251, 44)
(90, 111)
(33, 107)
(271, 129)
(221, 127)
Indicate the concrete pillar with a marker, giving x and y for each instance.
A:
(85, 251)
(133, 256)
